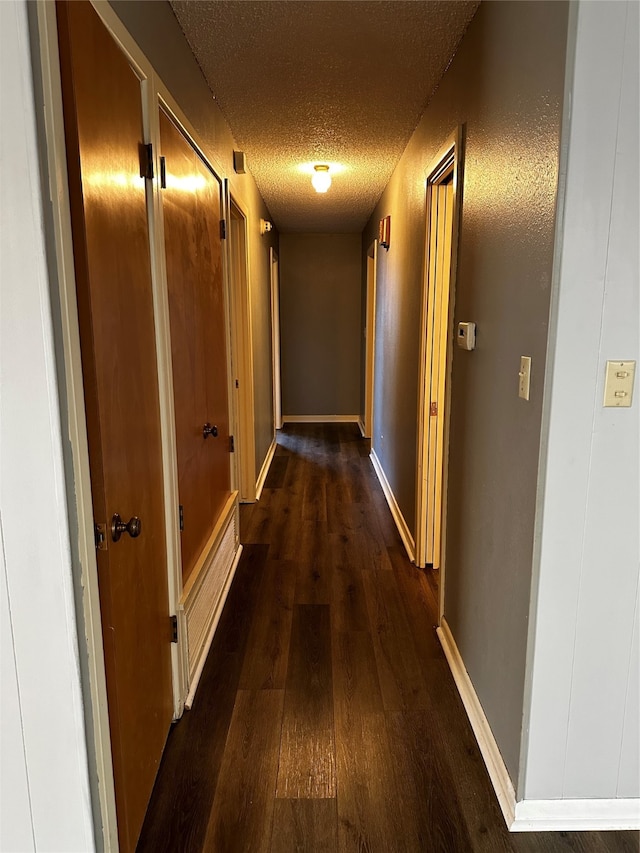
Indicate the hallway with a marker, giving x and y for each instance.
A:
(327, 717)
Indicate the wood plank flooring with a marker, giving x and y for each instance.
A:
(326, 718)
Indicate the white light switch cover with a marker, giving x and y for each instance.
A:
(524, 377)
(618, 384)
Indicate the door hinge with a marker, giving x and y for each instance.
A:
(163, 173)
(181, 514)
(146, 160)
(433, 411)
(174, 629)
(100, 534)
(232, 446)
(223, 229)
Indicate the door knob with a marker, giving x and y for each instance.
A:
(118, 527)
(208, 430)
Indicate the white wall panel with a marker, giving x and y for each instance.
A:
(15, 809)
(32, 488)
(589, 543)
(629, 773)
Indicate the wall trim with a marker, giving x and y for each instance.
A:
(361, 428)
(531, 815)
(495, 765)
(401, 524)
(320, 419)
(576, 815)
(265, 468)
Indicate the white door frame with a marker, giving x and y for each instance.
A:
(241, 342)
(274, 276)
(370, 339)
(447, 162)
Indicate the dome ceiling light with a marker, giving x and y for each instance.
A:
(321, 179)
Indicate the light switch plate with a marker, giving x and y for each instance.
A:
(618, 383)
(524, 377)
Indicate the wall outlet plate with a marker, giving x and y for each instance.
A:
(618, 384)
(524, 377)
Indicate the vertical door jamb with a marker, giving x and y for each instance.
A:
(370, 331)
(241, 342)
(90, 639)
(275, 338)
(447, 162)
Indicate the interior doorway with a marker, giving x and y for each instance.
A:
(192, 209)
(275, 338)
(442, 202)
(241, 348)
(102, 96)
(370, 340)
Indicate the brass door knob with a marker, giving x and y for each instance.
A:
(208, 430)
(118, 527)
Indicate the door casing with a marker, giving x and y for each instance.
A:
(274, 275)
(448, 162)
(241, 343)
(370, 340)
(154, 95)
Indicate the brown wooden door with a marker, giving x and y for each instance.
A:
(191, 212)
(103, 122)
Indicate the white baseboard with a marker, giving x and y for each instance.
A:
(498, 774)
(265, 468)
(401, 524)
(576, 815)
(531, 815)
(320, 419)
(361, 427)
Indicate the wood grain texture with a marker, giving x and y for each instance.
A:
(421, 604)
(307, 752)
(401, 679)
(349, 607)
(373, 749)
(301, 826)
(242, 811)
(315, 570)
(267, 650)
(277, 472)
(180, 807)
(428, 812)
(285, 512)
(366, 789)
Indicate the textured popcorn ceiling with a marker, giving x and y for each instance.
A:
(339, 82)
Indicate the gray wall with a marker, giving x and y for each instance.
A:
(584, 726)
(505, 86)
(156, 30)
(320, 277)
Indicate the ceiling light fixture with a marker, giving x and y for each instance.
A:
(321, 178)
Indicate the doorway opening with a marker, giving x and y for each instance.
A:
(275, 338)
(242, 350)
(442, 201)
(370, 341)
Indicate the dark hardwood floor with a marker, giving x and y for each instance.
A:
(326, 718)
